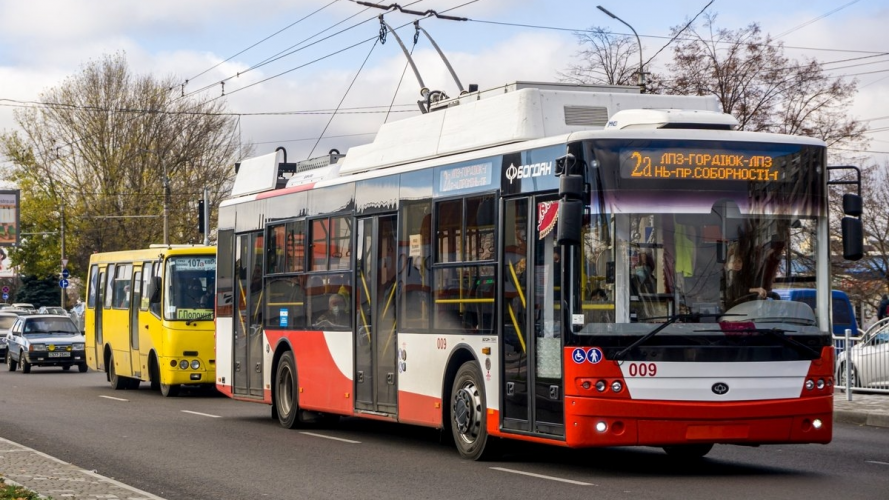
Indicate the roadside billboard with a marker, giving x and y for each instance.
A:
(9, 218)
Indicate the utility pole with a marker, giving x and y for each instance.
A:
(62, 237)
(166, 205)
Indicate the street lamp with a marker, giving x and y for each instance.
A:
(641, 73)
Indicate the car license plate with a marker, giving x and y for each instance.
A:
(59, 354)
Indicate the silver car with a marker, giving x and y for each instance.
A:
(45, 340)
(869, 359)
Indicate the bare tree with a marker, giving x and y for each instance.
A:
(605, 59)
(766, 91)
(98, 147)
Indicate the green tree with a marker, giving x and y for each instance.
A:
(96, 150)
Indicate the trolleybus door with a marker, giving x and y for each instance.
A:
(247, 376)
(374, 316)
(531, 327)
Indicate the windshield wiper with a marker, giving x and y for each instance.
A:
(688, 317)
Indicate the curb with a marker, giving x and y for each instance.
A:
(872, 419)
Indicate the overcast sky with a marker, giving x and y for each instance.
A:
(205, 41)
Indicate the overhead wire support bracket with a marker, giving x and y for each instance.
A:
(395, 6)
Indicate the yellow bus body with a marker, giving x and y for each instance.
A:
(132, 339)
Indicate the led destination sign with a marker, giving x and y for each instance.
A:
(698, 164)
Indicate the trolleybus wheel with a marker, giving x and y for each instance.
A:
(468, 414)
(11, 364)
(286, 401)
(688, 451)
(169, 390)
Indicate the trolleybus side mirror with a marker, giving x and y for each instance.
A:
(853, 234)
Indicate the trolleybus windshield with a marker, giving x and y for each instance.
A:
(702, 229)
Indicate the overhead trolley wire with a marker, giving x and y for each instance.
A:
(261, 41)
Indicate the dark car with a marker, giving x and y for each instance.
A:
(45, 340)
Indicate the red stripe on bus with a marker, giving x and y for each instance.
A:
(322, 386)
(419, 409)
(280, 192)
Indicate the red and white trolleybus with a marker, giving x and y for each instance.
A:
(580, 266)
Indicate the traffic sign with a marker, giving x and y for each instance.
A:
(5, 289)
(5, 296)
(64, 262)
(63, 283)
(65, 273)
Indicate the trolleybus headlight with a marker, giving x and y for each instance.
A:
(183, 364)
(816, 423)
(820, 384)
(601, 426)
(810, 385)
(616, 386)
(600, 386)
(195, 364)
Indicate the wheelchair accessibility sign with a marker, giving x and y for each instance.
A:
(592, 355)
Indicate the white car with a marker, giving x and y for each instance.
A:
(6, 322)
(45, 340)
(869, 359)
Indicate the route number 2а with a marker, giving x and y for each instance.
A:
(643, 369)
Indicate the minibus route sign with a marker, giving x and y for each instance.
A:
(698, 164)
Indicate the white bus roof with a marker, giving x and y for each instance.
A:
(521, 111)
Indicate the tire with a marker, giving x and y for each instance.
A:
(11, 364)
(468, 408)
(286, 399)
(133, 383)
(688, 451)
(82, 367)
(154, 375)
(169, 390)
(66, 368)
(118, 383)
(841, 377)
(26, 367)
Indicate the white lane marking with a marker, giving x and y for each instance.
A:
(116, 399)
(201, 414)
(541, 476)
(875, 462)
(330, 437)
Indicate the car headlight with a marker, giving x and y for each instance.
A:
(37, 347)
(78, 347)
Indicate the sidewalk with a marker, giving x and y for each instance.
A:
(54, 478)
(864, 409)
(51, 477)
